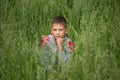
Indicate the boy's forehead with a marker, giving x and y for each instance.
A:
(58, 25)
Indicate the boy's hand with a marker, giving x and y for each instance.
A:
(60, 42)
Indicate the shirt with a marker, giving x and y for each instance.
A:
(53, 55)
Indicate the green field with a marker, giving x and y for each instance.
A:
(94, 25)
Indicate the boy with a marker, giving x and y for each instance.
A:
(57, 45)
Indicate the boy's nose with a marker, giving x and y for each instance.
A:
(58, 31)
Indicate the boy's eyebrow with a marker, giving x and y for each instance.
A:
(54, 29)
(60, 29)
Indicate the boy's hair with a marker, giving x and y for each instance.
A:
(60, 20)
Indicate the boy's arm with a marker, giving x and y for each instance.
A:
(44, 42)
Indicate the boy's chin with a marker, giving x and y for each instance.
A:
(59, 37)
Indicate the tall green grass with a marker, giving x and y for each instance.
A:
(93, 25)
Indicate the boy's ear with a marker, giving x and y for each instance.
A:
(66, 30)
(50, 30)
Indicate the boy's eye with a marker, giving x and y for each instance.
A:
(60, 29)
(54, 29)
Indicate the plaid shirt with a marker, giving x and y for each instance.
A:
(53, 55)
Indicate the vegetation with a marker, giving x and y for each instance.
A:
(94, 25)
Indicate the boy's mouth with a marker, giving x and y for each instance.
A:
(57, 36)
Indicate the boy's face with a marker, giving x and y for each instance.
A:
(58, 30)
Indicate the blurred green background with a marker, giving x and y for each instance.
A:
(94, 25)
